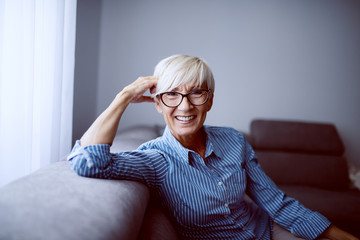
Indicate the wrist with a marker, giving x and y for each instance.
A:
(123, 96)
(121, 100)
(335, 233)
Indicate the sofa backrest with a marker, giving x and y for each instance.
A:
(131, 138)
(304, 137)
(300, 153)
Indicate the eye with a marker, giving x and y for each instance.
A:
(171, 95)
(198, 93)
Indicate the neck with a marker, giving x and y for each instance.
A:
(195, 142)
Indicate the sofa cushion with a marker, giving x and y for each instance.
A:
(305, 169)
(55, 204)
(341, 207)
(296, 136)
(156, 225)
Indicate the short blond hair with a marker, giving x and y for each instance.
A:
(180, 69)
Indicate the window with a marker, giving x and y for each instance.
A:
(37, 47)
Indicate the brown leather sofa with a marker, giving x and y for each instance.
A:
(306, 160)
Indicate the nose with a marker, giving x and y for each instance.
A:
(185, 104)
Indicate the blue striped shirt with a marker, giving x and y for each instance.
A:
(207, 199)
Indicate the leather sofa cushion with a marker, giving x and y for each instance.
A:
(342, 208)
(296, 136)
(305, 169)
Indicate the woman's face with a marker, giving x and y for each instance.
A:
(185, 120)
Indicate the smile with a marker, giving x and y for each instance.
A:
(184, 119)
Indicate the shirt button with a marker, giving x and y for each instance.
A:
(220, 183)
(226, 205)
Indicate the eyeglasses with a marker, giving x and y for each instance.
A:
(174, 99)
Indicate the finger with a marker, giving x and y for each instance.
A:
(138, 88)
(153, 90)
(145, 83)
(147, 99)
(152, 79)
(143, 99)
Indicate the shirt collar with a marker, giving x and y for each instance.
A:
(210, 147)
(184, 152)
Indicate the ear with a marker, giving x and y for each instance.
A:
(158, 107)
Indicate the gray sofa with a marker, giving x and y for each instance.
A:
(55, 203)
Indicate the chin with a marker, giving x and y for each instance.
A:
(186, 131)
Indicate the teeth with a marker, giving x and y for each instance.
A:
(184, 118)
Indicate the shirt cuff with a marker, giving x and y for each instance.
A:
(313, 227)
(89, 157)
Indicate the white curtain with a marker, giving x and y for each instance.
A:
(37, 47)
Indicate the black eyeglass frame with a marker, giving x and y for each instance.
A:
(186, 95)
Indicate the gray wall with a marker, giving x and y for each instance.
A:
(296, 60)
(86, 65)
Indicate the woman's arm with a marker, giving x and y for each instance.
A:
(286, 210)
(104, 128)
(91, 156)
(335, 233)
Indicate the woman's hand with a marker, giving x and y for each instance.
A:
(335, 233)
(135, 91)
(104, 128)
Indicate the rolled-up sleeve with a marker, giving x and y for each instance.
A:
(146, 166)
(284, 210)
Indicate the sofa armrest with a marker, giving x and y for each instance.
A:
(54, 203)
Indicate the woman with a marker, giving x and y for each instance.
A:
(200, 173)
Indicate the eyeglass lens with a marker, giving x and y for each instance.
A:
(174, 99)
